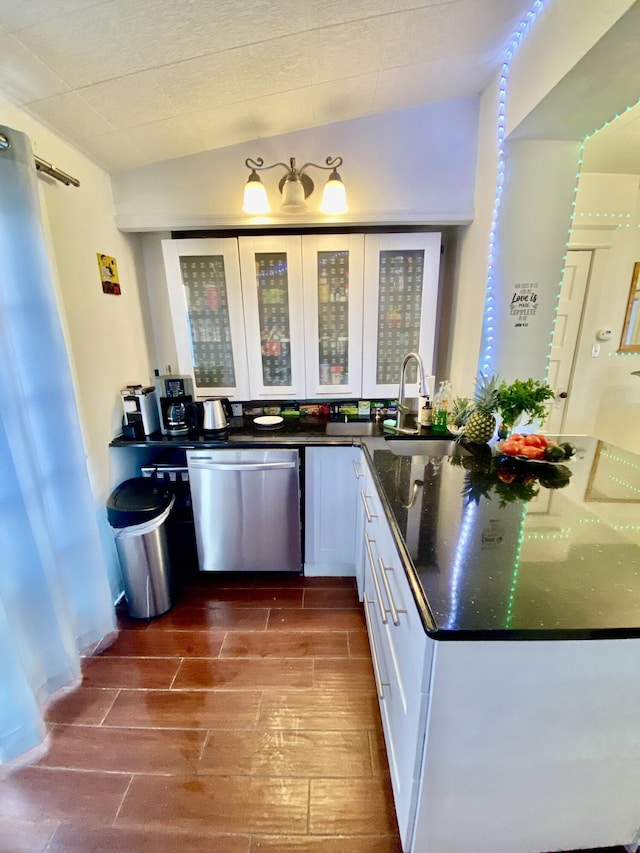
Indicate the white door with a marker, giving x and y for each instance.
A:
(205, 296)
(271, 270)
(400, 302)
(565, 335)
(333, 273)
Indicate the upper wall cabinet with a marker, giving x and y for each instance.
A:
(313, 316)
(400, 303)
(333, 274)
(203, 278)
(271, 270)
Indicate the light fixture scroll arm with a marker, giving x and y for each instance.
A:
(258, 165)
(332, 163)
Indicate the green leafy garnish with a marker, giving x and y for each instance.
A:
(523, 397)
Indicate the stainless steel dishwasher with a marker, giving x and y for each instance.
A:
(246, 509)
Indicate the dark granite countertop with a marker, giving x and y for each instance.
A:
(490, 565)
(242, 431)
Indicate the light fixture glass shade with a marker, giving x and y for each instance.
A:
(293, 199)
(334, 195)
(255, 196)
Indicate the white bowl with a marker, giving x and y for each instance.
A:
(268, 421)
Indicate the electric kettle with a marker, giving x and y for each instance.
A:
(215, 414)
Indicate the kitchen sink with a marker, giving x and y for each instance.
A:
(425, 447)
(352, 428)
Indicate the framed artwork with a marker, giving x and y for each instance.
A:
(630, 341)
(109, 274)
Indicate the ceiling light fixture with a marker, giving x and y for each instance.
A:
(296, 186)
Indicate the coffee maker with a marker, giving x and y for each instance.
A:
(178, 413)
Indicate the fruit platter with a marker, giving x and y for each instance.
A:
(535, 448)
(515, 476)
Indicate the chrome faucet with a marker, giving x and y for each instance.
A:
(403, 409)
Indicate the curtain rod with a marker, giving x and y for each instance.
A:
(43, 166)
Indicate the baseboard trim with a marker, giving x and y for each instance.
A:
(329, 570)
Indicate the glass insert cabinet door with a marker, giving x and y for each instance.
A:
(271, 269)
(400, 304)
(203, 280)
(333, 269)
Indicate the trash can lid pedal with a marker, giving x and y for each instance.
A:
(137, 500)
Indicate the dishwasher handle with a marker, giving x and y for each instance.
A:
(202, 463)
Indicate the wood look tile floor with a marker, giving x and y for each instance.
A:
(245, 720)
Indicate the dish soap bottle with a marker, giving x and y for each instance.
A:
(441, 408)
(426, 412)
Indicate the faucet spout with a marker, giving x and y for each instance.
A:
(403, 409)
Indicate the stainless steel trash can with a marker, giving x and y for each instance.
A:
(137, 510)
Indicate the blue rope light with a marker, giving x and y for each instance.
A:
(488, 328)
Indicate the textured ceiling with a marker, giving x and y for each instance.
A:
(131, 82)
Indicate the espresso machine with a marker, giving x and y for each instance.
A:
(178, 412)
(140, 411)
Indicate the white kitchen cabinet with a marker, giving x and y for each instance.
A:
(333, 274)
(330, 510)
(400, 306)
(203, 280)
(303, 317)
(401, 654)
(271, 269)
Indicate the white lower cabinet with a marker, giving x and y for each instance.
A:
(401, 654)
(330, 510)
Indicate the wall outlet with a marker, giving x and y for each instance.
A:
(595, 350)
(236, 408)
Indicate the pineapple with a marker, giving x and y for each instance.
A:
(481, 423)
(477, 484)
(460, 411)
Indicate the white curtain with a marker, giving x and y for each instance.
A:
(54, 591)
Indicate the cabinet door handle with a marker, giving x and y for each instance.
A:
(393, 610)
(355, 470)
(376, 582)
(380, 684)
(367, 511)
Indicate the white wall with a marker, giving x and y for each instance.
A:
(413, 165)
(605, 397)
(106, 335)
(472, 256)
(561, 35)
(535, 215)
(551, 52)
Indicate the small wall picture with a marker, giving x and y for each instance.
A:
(109, 275)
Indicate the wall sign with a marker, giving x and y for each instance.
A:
(524, 302)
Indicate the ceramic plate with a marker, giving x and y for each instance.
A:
(268, 421)
(503, 457)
